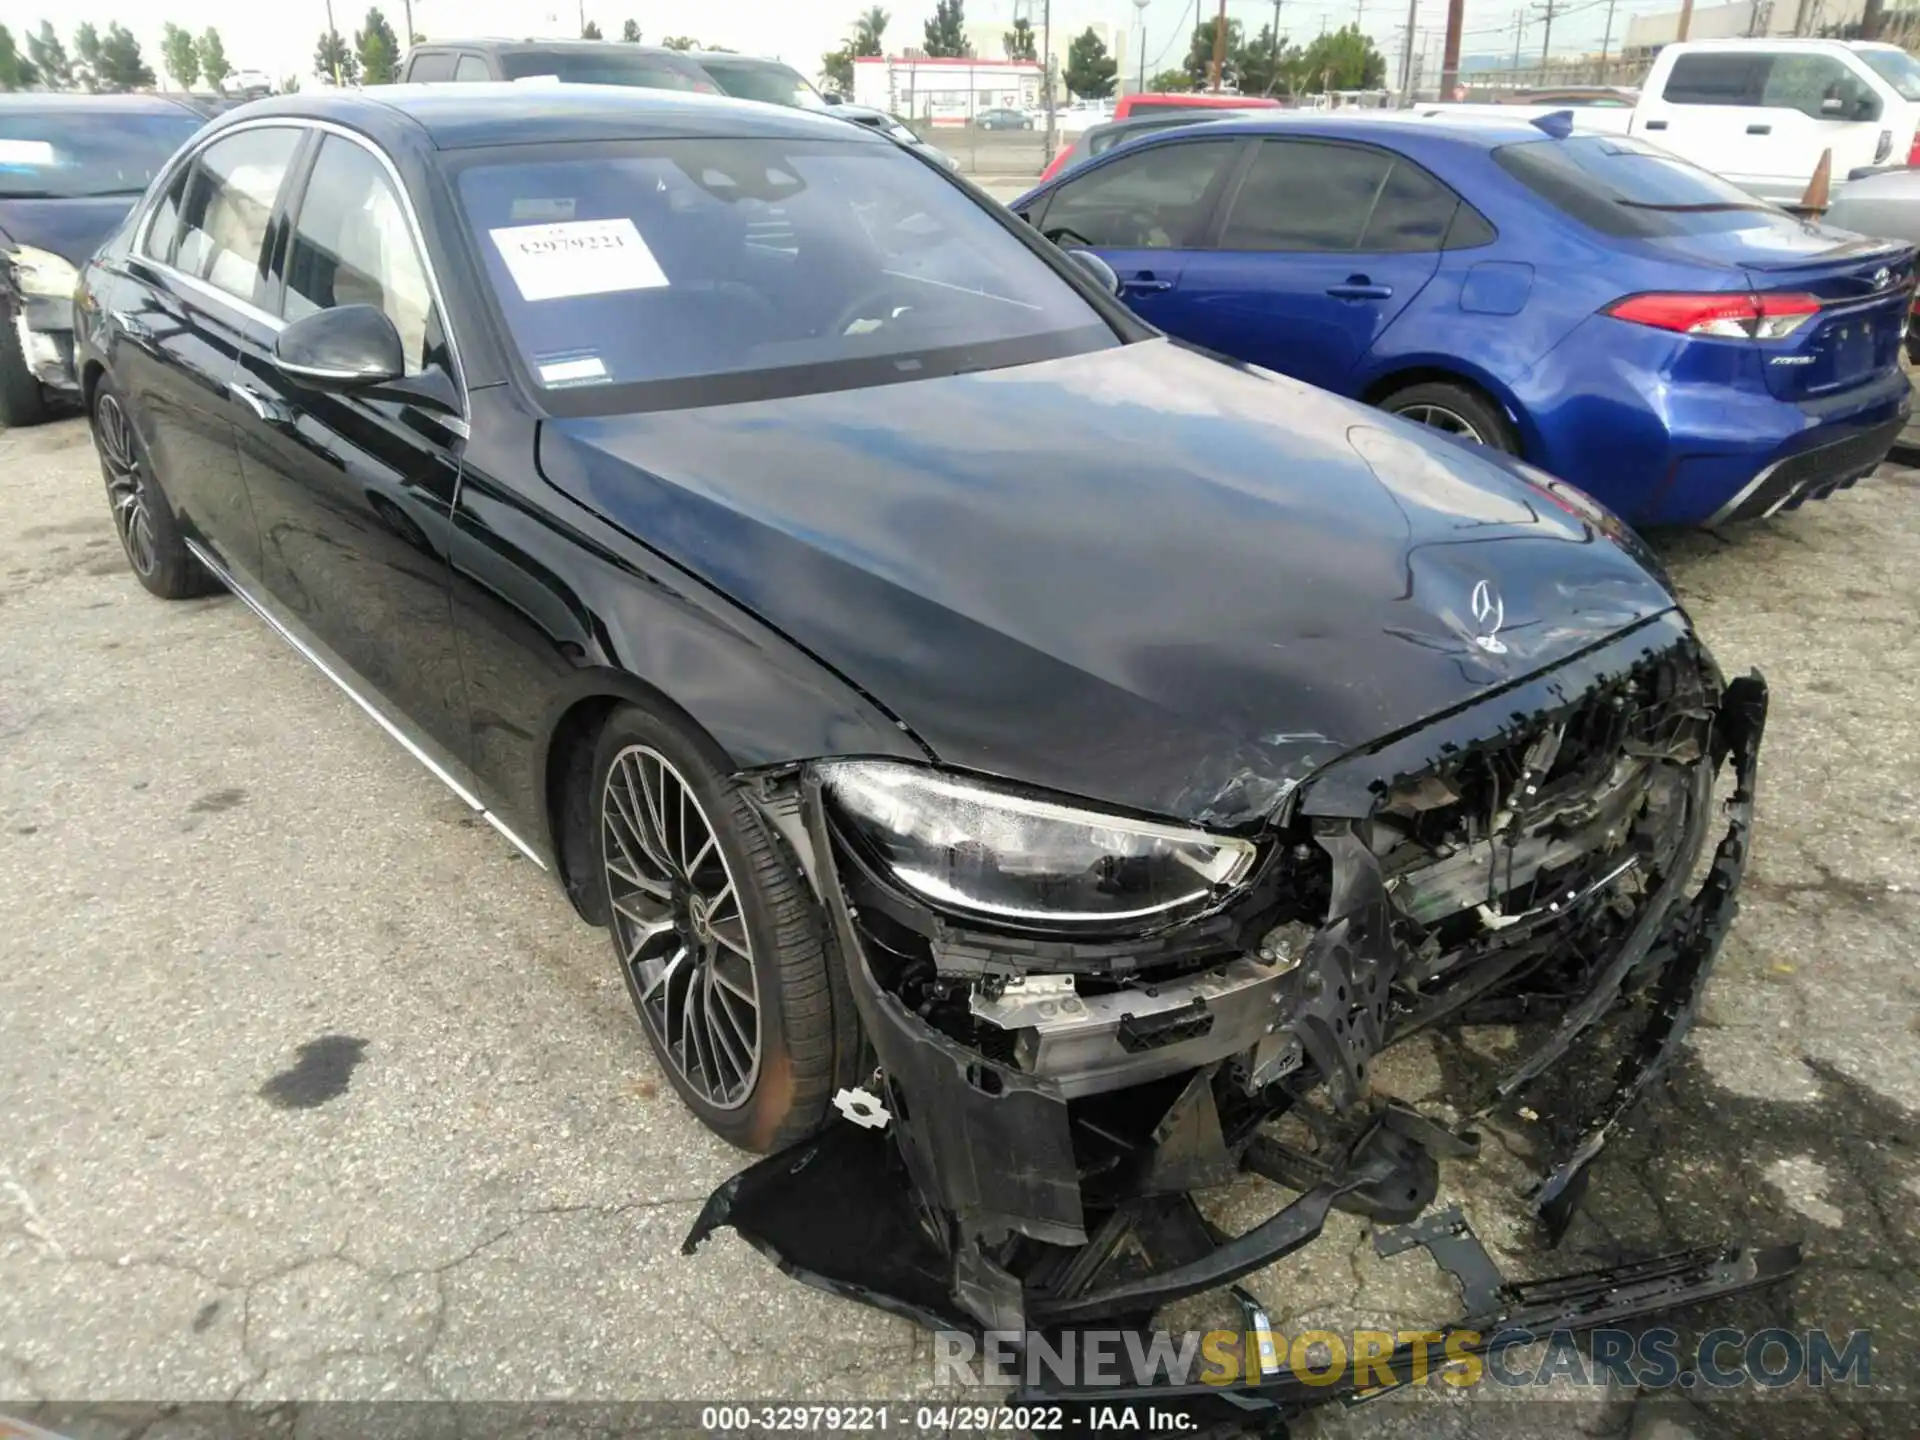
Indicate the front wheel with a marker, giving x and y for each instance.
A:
(148, 533)
(22, 400)
(716, 937)
(1454, 410)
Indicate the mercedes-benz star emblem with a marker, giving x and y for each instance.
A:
(1489, 613)
(1882, 278)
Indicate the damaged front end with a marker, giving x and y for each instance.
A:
(1045, 1099)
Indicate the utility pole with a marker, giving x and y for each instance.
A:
(583, 19)
(334, 35)
(1219, 45)
(1800, 17)
(1406, 55)
(1519, 31)
(1046, 69)
(1140, 8)
(1605, 41)
(407, 7)
(1546, 38)
(1686, 19)
(1450, 57)
(1273, 50)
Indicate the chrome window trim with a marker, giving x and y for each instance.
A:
(338, 673)
(276, 323)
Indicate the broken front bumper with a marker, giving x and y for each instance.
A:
(1051, 1186)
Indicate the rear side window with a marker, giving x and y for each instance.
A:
(1621, 187)
(471, 69)
(1708, 77)
(431, 68)
(1305, 196)
(1153, 199)
(164, 229)
(228, 206)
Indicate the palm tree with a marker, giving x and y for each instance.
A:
(868, 30)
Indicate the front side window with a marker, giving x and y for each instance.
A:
(228, 206)
(352, 246)
(624, 272)
(1153, 199)
(71, 153)
(1819, 86)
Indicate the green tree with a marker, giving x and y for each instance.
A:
(179, 56)
(16, 71)
(332, 60)
(681, 42)
(946, 37)
(86, 56)
(122, 67)
(1265, 64)
(1342, 60)
(289, 84)
(1090, 70)
(213, 57)
(1018, 42)
(591, 31)
(49, 58)
(868, 31)
(1170, 82)
(836, 70)
(1200, 53)
(377, 48)
(630, 31)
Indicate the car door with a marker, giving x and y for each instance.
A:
(1705, 111)
(1811, 103)
(1142, 211)
(1320, 245)
(354, 490)
(192, 289)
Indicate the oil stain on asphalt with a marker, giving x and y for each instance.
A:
(322, 1073)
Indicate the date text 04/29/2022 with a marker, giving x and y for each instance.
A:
(945, 1419)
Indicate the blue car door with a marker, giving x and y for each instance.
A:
(1318, 247)
(1143, 211)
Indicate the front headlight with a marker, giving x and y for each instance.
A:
(973, 845)
(44, 274)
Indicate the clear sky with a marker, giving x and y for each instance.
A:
(278, 35)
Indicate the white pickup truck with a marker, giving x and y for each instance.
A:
(1762, 112)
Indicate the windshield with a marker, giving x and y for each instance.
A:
(768, 83)
(1621, 187)
(615, 67)
(69, 154)
(1897, 68)
(758, 266)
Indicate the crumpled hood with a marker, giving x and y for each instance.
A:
(72, 229)
(1141, 575)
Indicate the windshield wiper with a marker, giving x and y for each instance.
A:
(30, 195)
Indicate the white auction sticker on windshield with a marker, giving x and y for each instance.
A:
(578, 257)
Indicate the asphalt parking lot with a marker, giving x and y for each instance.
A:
(314, 1089)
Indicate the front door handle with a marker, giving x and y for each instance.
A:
(1144, 285)
(1759, 129)
(1656, 124)
(1360, 289)
(270, 412)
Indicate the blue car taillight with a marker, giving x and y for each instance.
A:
(1729, 317)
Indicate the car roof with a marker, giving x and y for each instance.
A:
(460, 117)
(501, 45)
(1380, 125)
(41, 100)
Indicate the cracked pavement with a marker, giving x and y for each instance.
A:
(315, 1090)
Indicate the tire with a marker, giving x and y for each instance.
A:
(1454, 410)
(741, 890)
(22, 400)
(149, 535)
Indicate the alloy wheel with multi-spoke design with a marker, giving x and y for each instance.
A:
(127, 483)
(681, 927)
(1438, 417)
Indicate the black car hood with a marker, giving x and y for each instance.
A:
(1140, 575)
(71, 229)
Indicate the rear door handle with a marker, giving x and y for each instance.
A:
(1656, 124)
(1145, 284)
(1357, 290)
(1759, 129)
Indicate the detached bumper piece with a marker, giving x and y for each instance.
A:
(1042, 1110)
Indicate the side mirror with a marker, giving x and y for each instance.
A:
(1832, 105)
(347, 348)
(1100, 270)
(834, 97)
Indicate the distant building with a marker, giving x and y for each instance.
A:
(944, 92)
(1647, 33)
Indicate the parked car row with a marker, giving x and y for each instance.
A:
(1019, 760)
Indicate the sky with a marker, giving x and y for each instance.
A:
(278, 37)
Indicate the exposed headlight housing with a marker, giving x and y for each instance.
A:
(43, 274)
(975, 846)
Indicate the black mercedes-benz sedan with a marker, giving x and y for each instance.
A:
(1028, 770)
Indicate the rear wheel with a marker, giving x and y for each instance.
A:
(22, 400)
(715, 936)
(141, 515)
(1454, 410)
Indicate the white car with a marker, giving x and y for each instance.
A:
(251, 83)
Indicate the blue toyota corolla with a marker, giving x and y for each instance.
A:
(1609, 312)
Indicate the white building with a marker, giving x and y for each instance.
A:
(1743, 17)
(944, 92)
